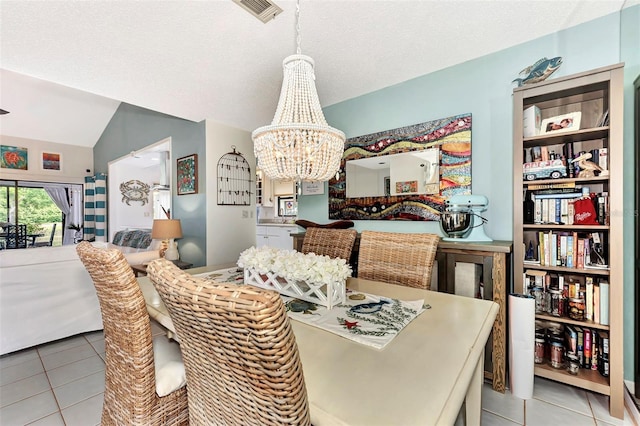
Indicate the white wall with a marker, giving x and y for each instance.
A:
(135, 214)
(75, 160)
(229, 232)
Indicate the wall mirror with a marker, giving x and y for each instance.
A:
(404, 173)
(414, 172)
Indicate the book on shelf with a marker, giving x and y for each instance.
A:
(603, 353)
(547, 252)
(580, 333)
(594, 349)
(557, 195)
(537, 212)
(604, 303)
(570, 251)
(546, 191)
(588, 311)
(587, 251)
(587, 349)
(545, 186)
(569, 154)
(571, 338)
(596, 302)
(580, 253)
(563, 250)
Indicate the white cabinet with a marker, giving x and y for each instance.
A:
(284, 187)
(275, 236)
(264, 190)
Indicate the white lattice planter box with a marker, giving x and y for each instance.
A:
(325, 294)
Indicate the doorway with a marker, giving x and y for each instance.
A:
(148, 172)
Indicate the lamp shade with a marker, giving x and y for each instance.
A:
(164, 229)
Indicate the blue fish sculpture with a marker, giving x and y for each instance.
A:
(539, 71)
(369, 308)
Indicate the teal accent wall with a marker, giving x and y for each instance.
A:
(483, 87)
(133, 128)
(630, 55)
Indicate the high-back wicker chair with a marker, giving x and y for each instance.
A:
(335, 243)
(395, 258)
(130, 396)
(239, 350)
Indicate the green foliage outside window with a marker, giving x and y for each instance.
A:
(35, 207)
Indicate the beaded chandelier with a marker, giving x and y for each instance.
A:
(299, 144)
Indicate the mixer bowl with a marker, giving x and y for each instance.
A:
(456, 224)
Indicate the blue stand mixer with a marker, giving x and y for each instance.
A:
(461, 220)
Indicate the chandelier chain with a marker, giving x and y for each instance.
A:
(298, 36)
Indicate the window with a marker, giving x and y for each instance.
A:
(40, 206)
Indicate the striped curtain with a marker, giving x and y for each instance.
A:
(95, 207)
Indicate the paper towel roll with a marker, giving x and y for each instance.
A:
(522, 324)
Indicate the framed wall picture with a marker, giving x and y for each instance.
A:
(561, 123)
(187, 171)
(51, 161)
(312, 188)
(14, 157)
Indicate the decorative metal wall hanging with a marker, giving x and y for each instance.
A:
(134, 190)
(235, 186)
(451, 135)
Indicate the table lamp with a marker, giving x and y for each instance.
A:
(168, 229)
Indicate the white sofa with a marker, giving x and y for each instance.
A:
(46, 294)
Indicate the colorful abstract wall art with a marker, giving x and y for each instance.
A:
(51, 161)
(187, 173)
(13, 157)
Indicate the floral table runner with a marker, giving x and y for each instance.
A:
(365, 318)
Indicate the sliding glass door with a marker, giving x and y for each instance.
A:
(45, 208)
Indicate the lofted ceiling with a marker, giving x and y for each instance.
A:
(66, 65)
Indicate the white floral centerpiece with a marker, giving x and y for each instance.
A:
(310, 277)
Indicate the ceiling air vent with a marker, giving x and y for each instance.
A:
(264, 10)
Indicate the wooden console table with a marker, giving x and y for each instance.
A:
(495, 258)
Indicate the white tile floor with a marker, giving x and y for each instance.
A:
(62, 383)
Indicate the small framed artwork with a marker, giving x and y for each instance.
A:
(51, 161)
(13, 157)
(187, 171)
(561, 123)
(408, 186)
(312, 188)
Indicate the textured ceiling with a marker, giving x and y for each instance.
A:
(212, 60)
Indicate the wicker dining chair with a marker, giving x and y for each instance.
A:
(396, 258)
(335, 243)
(240, 353)
(130, 396)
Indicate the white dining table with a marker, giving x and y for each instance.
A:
(422, 377)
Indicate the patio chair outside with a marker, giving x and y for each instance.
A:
(397, 258)
(130, 396)
(16, 236)
(335, 243)
(47, 243)
(242, 361)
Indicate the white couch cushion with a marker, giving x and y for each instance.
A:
(170, 373)
(134, 256)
